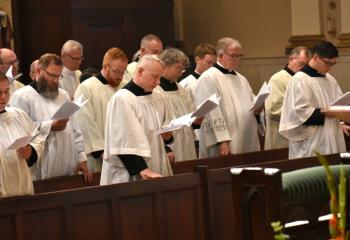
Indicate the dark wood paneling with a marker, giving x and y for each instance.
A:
(88, 216)
(44, 224)
(43, 26)
(7, 227)
(135, 212)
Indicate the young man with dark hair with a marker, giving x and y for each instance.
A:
(310, 91)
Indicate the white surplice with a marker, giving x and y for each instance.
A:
(130, 129)
(232, 120)
(130, 71)
(92, 116)
(69, 80)
(273, 108)
(15, 85)
(15, 176)
(63, 149)
(179, 103)
(189, 83)
(303, 95)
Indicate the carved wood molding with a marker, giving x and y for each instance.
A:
(304, 40)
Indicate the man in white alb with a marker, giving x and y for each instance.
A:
(134, 114)
(8, 58)
(310, 91)
(64, 152)
(299, 56)
(178, 102)
(204, 57)
(232, 127)
(150, 44)
(92, 116)
(72, 57)
(16, 178)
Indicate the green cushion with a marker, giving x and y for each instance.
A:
(309, 184)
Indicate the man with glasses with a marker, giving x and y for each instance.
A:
(64, 152)
(232, 127)
(178, 102)
(99, 89)
(298, 57)
(8, 58)
(72, 57)
(310, 91)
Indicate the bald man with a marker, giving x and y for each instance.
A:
(8, 58)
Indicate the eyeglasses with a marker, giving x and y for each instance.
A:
(75, 58)
(328, 63)
(52, 75)
(235, 56)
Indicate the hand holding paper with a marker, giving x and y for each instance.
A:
(10, 76)
(264, 92)
(185, 121)
(23, 141)
(342, 100)
(69, 108)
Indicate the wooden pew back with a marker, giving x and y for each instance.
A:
(167, 208)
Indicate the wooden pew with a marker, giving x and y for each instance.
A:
(72, 182)
(167, 208)
(231, 160)
(199, 205)
(254, 201)
(64, 183)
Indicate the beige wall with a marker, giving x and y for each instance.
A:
(263, 27)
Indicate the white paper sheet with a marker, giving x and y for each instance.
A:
(343, 100)
(177, 123)
(206, 106)
(264, 92)
(23, 141)
(9, 75)
(69, 108)
(185, 121)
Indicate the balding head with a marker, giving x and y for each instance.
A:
(148, 72)
(8, 58)
(151, 44)
(33, 69)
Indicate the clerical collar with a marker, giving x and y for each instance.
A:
(3, 111)
(101, 78)
(288, 70)
(135, 89)
(34, 85)
(311, 71)
(224, 70)
(167, 85)
(195, 74)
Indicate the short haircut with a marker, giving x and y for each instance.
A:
(70, 45)
(172, 56)
(46, 59)
(203, 49)
(114, 54)
(296, 51)
(225, 43)
(325, 49)
(148, 38)
(5, 50)
(148, 58)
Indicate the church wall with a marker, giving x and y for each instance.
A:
(258, 70)
(262, 27)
